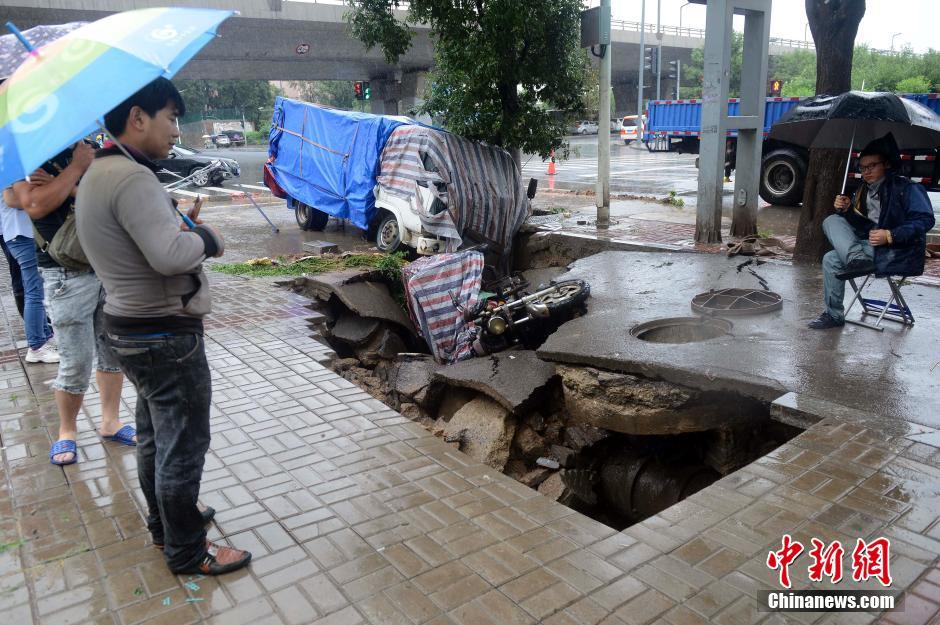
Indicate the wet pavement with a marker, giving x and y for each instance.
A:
(357, 515)
(248, 235)
(893, 374)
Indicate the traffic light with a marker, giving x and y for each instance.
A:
(651, 60)
(366, 91)
(357, 88)
(774, 87)
(671, 71)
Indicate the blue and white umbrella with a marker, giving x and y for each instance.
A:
(63, 89)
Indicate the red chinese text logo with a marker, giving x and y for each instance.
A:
(869, 560)
(782, 559)
(826, 561)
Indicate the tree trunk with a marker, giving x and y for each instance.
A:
(517, 158)
(834, 24)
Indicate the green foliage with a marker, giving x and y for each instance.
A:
(904, 71)
(675, 200)
(694, 71)
(590, 101)
(501, 67)
(13, 545)
(389, 264)
(797, 70)
(257, 137)
(799, 87)
(335, 93)
(914, 84)
(255, 98)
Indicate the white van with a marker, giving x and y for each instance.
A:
(631, 128)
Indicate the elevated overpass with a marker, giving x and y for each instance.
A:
(278, 40)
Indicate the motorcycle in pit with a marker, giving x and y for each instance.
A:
(506, 314)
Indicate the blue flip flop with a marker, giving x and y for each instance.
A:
(125, 436)
(63, 446)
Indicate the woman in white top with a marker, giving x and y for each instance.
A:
(17, 233)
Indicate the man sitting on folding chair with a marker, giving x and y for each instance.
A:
(881, 231)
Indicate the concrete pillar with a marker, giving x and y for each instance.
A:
(413, 85)
(401, 94)
(386, 94)
(751, 123)
(625, 95)
(715, 120)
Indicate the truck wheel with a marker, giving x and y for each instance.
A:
(388, 234)
(309, 218)
(782, 176)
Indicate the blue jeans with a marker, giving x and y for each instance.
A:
(38, 331)
(846, 247)
(16, 280)
(174, 390)
(74, 301)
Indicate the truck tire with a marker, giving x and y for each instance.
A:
(782, 176)
(388, 234)
(309, 218)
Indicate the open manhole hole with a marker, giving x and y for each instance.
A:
(681, 329)
(737, 302)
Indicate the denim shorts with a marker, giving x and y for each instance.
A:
(74, 302)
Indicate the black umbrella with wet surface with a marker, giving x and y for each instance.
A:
(856, 118)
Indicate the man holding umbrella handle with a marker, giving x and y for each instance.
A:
(157, 296)
(882, 230)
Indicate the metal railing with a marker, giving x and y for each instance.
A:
(699, 33)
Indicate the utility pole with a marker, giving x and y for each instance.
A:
(602, 194)
(639, 83)
(659, 48)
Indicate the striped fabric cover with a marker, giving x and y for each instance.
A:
(431, 285)
(483, 196)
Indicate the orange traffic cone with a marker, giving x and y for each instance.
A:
(551, 164)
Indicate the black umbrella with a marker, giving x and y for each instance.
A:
(858, 118)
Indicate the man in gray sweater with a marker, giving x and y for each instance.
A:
(157, 295)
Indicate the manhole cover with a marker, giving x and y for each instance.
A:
(681, 329)
(737, 302)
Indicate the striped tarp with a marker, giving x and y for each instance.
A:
(480, 186)
(432, 286)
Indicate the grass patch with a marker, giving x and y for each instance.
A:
(388, 264)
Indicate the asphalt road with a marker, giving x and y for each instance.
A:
(250, 158)
(633, 170)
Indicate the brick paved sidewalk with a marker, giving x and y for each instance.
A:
(357, 515)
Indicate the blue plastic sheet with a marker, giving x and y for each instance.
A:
(329, 159)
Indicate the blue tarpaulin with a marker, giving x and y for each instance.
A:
(329, 159)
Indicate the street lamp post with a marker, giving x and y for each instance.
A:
(659, 47)
(640, 78)
(679, 61)
(892, 40)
